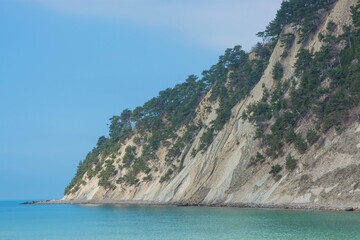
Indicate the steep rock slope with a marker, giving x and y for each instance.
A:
(232, 168)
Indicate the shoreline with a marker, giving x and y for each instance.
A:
(291, 206)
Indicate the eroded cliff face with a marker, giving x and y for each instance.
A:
(327, 174)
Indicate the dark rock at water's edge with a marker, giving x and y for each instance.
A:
(29, 202)
(33, 202)
(349, 209)
(288, 206)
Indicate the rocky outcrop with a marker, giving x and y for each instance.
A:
(326, 175)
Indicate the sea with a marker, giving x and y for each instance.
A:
(105, 222)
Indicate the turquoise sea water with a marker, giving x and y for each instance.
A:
(55, 222)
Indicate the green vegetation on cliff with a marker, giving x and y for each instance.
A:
(156, 123)
(326, 86)
(303, 14)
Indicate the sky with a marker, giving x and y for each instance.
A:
(67, 66)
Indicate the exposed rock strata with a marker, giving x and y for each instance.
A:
(327, 175)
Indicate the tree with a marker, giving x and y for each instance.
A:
(300, 144)
(206, 139)
(101, 142)
(125, 117)
(304, 59)
(106, 174)
(312, 136)
(115, 128)
(130, 155)
(137, 114)
(287, 41)
(355, 13)
(291, 163)
(278, 71)
(275, 170)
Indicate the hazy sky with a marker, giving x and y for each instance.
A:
(67, 66)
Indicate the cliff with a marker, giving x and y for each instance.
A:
(256, 155)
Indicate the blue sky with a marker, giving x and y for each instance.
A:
(67, 66)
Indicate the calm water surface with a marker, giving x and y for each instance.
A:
(55, 222)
